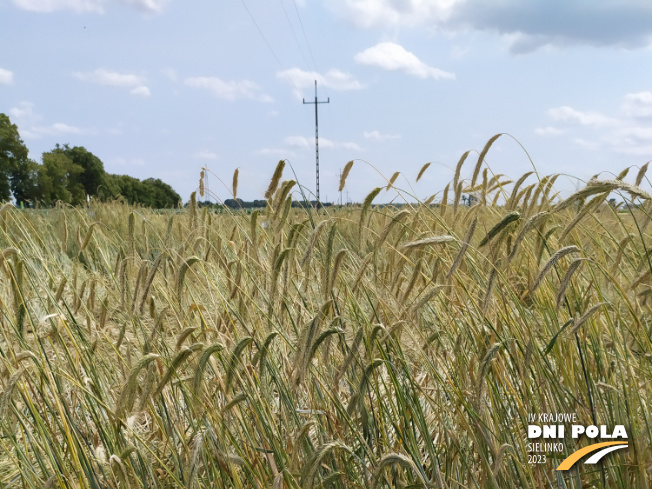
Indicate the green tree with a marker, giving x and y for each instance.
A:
(12, 152)
(127, 187)
(56, 179)
(160, 194)
(151, 192)
(24, 182)
(92, 176)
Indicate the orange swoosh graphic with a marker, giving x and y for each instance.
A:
(575, 456)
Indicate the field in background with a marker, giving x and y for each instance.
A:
(353, 347)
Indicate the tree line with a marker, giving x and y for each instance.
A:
(259, 204)
(69, 174)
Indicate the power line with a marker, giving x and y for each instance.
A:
(296, 9)
(303, 31)
(294, 34)
(269, 45)
(263, 35)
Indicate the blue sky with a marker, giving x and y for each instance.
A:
(161, 88)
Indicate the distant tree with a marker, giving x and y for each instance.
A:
(151, 192)
(111, 188)
(234, 203)
(69, 175)
(92, 176)
(24, 182)
(12, 152)
(57, 179)
(262, 203)
(127, 187)
(160, 194)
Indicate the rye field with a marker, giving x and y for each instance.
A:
(356, 347)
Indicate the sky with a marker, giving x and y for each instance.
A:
(162, 88)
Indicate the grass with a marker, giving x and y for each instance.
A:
(356, 347)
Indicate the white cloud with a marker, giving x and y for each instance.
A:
(141, 91)
(298, 141)
(537, 23)
(573, 116)
(30, 125)
(548, 131)
(155, 6)
(393, 13)
(111, 78)
(637, 105)
(24, 112)
(635, 140)
(56, 129)
(301, 81)
(621, 135)
(53, 5)
(377, 136)
(115, 79)
(304, 142)
(6, 77)
(327, 143)
(637, 133)
(394, 57)
(229, 90)
(59, 128)
(337, 144)
(25, 118)
(526, 25)
(206, 155)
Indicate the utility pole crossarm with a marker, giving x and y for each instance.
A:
(327, 101)
(317, 102)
